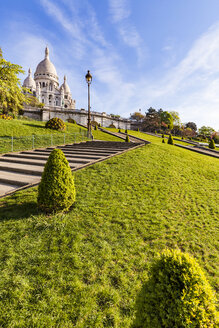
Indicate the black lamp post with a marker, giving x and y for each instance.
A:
(88, 78)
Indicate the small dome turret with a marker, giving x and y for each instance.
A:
(29, 81)
(65, 86)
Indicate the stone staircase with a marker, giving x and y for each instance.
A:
(24, 169)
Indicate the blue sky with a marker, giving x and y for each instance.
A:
(141, 53)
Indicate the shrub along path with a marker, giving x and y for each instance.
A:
(86, 267)
(25, 168)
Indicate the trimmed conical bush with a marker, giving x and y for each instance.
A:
(177, 294)
(127, 139)
(212, 144)
(163, 140)
(56, 190)
(126, 131)
(170, 140)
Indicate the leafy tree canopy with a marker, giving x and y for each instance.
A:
(137, 116)
(191, 125)
(206, 130)
(176, 118)
(167, 118)
(11, 91)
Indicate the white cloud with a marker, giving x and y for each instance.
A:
(119, 10)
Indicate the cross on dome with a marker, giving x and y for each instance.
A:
(47, 52)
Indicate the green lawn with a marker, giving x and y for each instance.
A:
(28, 134)
(86, 267)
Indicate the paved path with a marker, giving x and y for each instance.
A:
(24, 169)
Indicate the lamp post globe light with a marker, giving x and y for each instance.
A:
(88, 78)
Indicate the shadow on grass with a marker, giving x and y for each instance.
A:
(17, 211)
(35, 125)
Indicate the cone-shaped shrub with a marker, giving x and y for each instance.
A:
(138, 130)
(163, 140)
(170, 140)
(176, 294)
(182, 138)
(127, 139)
(95, 127)
(162, 135)
(119, 130)
(126, 131)
(56, 190)
(212, 144)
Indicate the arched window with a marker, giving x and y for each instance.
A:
(50, 87)
(44, 85)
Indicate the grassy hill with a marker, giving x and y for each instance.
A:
(23, 131)
(86, 267)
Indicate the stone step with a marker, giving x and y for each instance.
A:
(39, 162)
(72, 154)
(90, 150)
(43, 156)
(17, 179)
(6, 188)
(22, 168)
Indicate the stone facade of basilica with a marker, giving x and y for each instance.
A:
(45, 86)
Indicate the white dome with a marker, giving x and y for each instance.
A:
(45, 66)
(29, 81)
(65, 86)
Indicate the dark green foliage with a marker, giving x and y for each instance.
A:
(162, 135)
(211, 144)
(55, 123)
(176, 294)
(112, 126)
(95, 128)
(71, 120)
(56, 190)
(170, 140)
(182, 138)
(119, 131)
(93, 123)
(127, 139)
(163, 140)
(126, 131)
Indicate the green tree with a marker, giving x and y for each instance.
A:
(206, 131)
(176, 118)
(137, 116)
(12, 95)
(151, 121)
(191, 125)
(167, 118)
(177, 294)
